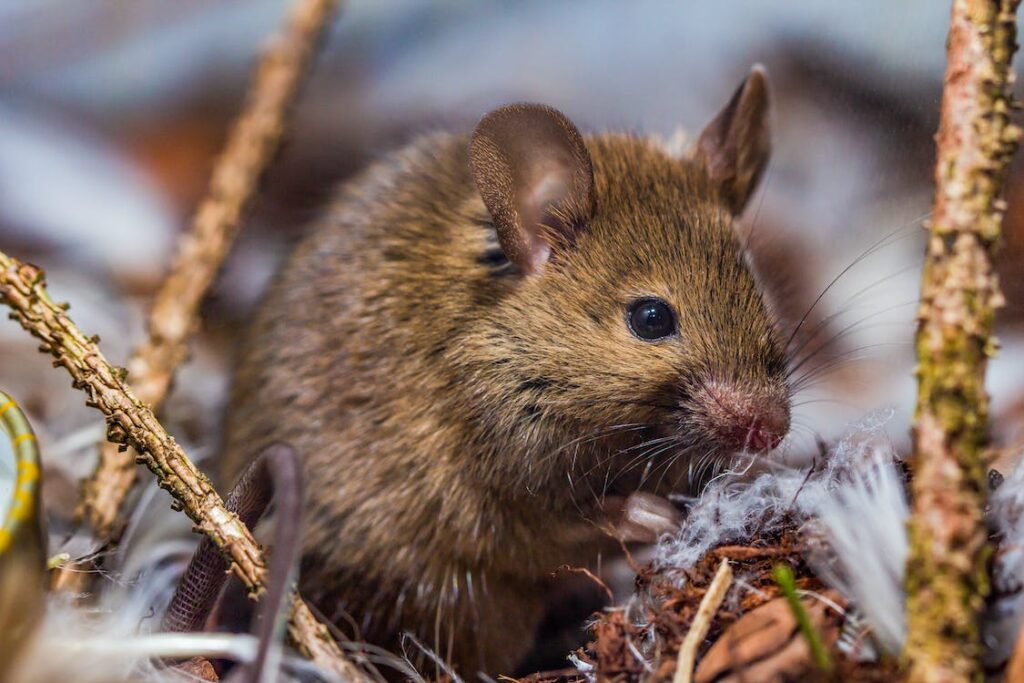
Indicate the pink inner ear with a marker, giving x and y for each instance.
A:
(546, 190)
(549, 188)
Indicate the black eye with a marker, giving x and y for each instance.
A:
(651, 319)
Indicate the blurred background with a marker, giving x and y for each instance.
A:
(111, 114)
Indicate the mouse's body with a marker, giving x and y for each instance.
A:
(485, 336)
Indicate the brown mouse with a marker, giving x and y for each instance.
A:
(487, 336)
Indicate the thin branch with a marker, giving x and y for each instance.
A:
(131, 422)
(709, 604)
(946, 570)
(252, 143)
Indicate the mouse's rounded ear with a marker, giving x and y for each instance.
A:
(735, 146)
(534, 174)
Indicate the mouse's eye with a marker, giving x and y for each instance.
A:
(651, 319)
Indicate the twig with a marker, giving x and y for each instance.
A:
(740, 552)
(313, 639)
(131, 422)
(787, 584)
(251, 144)
(946, 569)
(709, 604)
(590, 575)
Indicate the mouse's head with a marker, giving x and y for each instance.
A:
(632, 305)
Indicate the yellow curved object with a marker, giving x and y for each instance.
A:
(24, 507)
(22, 539)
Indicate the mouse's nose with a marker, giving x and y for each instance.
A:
(742, 418)
(765, 433)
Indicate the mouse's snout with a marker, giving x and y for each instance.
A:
(766, 432)
(742, 418)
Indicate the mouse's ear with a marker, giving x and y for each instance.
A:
(734, 147)
(534, 174)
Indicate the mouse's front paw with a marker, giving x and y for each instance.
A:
(644, 518)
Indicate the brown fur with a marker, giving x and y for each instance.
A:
(456, 416)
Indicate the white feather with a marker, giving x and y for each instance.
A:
(863, 523)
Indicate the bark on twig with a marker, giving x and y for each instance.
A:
(946, 573)
(132, 422)
(251, 144)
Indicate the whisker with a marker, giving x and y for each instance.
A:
(648, 457)
(871, 250)
(821, 324)
(653, 443)
(663, 466)
(838, 361)
(856, 325)
(602, 432)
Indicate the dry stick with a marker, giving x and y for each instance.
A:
(132, 422)
(946, 570)
(709, 604)
(251, 144)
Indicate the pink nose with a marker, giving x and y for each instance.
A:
(762, 437)
(742, 418)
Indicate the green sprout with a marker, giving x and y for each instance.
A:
(787, 584)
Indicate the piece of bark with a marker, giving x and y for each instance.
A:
(200, 668)
(766, 645)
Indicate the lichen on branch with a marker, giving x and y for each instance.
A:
(946, 571)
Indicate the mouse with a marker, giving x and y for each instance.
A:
(490, 339)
